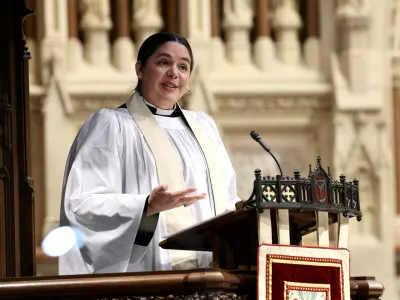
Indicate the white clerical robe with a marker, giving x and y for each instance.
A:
(109, 175)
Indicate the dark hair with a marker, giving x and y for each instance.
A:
(155, 41)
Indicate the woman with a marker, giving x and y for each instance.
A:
(145, 170)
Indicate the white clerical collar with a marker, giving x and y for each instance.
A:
(160, 111)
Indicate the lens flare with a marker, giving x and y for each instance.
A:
(61, 240)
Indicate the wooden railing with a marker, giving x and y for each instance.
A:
(171, 285)
(204, 284)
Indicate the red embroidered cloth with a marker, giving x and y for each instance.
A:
(296, 273)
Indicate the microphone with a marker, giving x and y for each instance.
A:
(255, 136)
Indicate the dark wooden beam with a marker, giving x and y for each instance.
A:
(17, 249)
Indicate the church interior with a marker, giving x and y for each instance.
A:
(313, 77)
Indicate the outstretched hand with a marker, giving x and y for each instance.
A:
(161, 199)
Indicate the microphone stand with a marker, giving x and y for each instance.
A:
(249, 202)
(258, 139)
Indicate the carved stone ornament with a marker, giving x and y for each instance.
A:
(91, 104)
(96, 13)
(146, 14)
(237, 13)
(352, 3)
(361, 137)
(242, 104)
(270, 102)
(195, 296)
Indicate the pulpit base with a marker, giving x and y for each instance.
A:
(201, 284)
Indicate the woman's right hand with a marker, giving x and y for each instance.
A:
(161, 199)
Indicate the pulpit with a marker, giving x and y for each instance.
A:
(281, 210)
(258, 251)
(264, 235)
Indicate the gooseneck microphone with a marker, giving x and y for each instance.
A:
(255, 136)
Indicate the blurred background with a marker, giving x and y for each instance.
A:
(313, 77)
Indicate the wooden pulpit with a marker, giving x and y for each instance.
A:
(302, 205)
(280, 212)
(262, 231)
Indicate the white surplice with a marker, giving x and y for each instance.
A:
(109, 174)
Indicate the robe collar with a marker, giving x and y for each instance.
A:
(175, 112)
(171, 113)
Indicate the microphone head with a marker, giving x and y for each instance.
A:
(255, 135)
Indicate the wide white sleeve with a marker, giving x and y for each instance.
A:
(230, 175)
(94, 200)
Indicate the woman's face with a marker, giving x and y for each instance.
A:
(165, 76)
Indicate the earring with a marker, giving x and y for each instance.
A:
(188, 90)
(140, 77)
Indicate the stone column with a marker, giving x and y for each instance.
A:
(237, 22)
(354, 24)
(147, 19)
(217, 45)
(264, 50)
(196, 26)
(54, 35)
(286, 23)
(396, 126)
(75, 49)
(96, 24)
(327, 30)
(195, 16)
(312, 43)
(363, 135)
(396, 115)
(123, 47)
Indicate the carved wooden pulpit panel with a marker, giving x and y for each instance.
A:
(16, 192)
